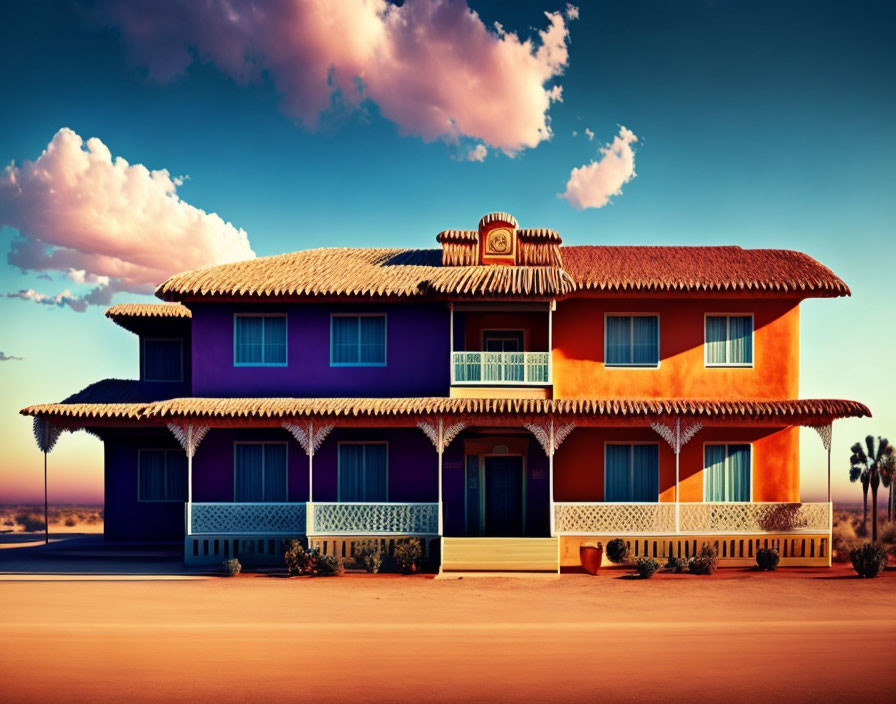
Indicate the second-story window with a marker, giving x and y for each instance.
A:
(729, 340)
(632, 341)
(358, 340)
(259, 341)
(163, 359)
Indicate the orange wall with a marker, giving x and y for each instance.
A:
(578, 353)
(579, 463)
(533, 325)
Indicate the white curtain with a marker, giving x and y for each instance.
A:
(716, 339)
(741, 334)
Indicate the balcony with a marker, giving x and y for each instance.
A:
(694, 518)
(501, 368)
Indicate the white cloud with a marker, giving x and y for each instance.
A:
(589, 134)
(478, 153)
(592, 185)
(9, 357)
(103, 221)
(431, 66)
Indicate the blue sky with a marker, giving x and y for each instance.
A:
(763, 124)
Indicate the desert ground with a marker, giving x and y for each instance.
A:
(65, 519)
(808, 635)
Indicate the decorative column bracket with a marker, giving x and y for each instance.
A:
(189, 436)
(550, 437)
(309, 437)
(825, 432)
(677, 435)
(448, 433)
(45, 434)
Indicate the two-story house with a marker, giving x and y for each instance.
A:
(502, 397)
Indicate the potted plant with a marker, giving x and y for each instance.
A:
(591, 555)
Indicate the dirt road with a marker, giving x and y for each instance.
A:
(742, 637)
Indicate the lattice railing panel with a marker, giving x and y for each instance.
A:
(357, 518)
(249, 518)
(754, 517)
(615, 518)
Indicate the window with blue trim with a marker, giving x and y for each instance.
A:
(259, 471)
(259, 340)
(358, 340)
(163, 359)
(729, 340)
(161, 475)
(632, 340)
(727, 472)
(632, 473)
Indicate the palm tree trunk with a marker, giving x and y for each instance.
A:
(46, 506)
(874, 512)
(865, 507)
(890, 502)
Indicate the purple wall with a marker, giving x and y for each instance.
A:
(417, 355)
(125, 517)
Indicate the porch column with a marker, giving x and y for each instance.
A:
(550, 437)
(310, 439)
(677, 437)
(552, 306)
(440, 436)
(189, 436)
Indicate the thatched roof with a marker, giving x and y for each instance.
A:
(420, 273)
(131, 315)
(93, 404)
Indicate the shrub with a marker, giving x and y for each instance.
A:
(868, 560)
(767, 559)
(232, 567)
(9, 522)
(30, 522)
(303, 561)
(618, 551)
(408, 555)
(70, 522)
(888, 533)
(646, 567)
(370, 557)
(326, 565)
(676, 564)
(707, 562)
(844, 537)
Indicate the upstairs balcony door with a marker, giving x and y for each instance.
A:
(502, 340)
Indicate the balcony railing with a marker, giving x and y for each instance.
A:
(373, 519)
(704, 518)
(503, 368)
(247, 519)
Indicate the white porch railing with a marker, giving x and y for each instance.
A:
(704, 518)
(247, 519)
(373, 519)
(501, 368)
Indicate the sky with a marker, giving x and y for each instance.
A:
(142, 139)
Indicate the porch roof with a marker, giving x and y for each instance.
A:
(93, 406)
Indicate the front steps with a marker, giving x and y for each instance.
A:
(500, 555)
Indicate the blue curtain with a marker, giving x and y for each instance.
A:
(351, 467)
(275, 472)
(714, 467)
(617, 473)
(741, 334)
(363, 472)
(344, 342)
(646, 340)
(372, 339)
(152, 475)
(249, 468)
(738, 472)
(274, 350)
(716, 339)
(162, 360)
(249, 340)
(619, 340)
(645, 473)
(176, 469)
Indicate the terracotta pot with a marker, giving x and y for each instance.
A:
(590, 556)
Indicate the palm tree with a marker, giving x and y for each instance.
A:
(888, 479)
(46, 436)
(867, 467)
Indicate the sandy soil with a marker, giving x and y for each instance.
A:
(809, 635)
(64, 519)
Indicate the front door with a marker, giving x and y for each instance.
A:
(503, 487)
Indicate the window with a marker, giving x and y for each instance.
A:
(259, 340)
(161, 475)
(363, 471)
(632, 341)
(358, 340)
(729, 340)
(259, 471)
(162, 359)
(726, 470)
(632, 472)
(502, 340)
